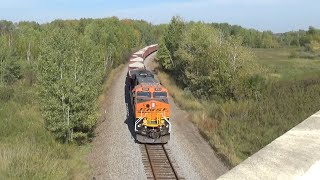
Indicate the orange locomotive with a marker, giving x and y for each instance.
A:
(149, 100)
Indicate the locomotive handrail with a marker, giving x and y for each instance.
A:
(137, 121)
(168, 123)
(164, 116)
(135, 124)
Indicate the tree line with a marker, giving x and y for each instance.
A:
(206, 62)
(68, 60)
(309, 39)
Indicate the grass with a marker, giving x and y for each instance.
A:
(283, 67)
(28, 150)
(237, 129)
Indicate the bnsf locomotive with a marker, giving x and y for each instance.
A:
(149, 100)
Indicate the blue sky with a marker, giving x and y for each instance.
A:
(275, 15)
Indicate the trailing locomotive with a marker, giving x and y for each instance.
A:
(149, 101)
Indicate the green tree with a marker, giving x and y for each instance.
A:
(69, 78)
(199, 58)
(173, 35)
(212, 66)
(10, 69)
(164, 57)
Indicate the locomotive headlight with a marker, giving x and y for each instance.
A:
(139, 125)
(153, 105)
(167, 126)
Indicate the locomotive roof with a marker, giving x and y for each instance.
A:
(141, 73)
(157, 86)
(146, 79)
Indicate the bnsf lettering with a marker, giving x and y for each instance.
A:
(152, 110)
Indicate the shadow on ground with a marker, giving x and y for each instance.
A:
(129, 117)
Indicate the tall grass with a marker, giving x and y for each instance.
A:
(284, 67)
(27, 149)
(246, 127)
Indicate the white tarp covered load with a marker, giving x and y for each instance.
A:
(136, 65)
(139, 53)
(137, 59)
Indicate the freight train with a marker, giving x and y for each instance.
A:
(149, 100)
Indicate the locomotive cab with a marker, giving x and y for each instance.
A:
(152, 113)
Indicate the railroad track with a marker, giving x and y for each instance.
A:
(157, 162)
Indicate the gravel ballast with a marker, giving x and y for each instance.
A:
(115, 155)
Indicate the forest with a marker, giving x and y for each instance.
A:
(52, 74)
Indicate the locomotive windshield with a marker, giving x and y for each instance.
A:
(159, 94)
(143, 94)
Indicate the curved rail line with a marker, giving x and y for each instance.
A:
(157, 162)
